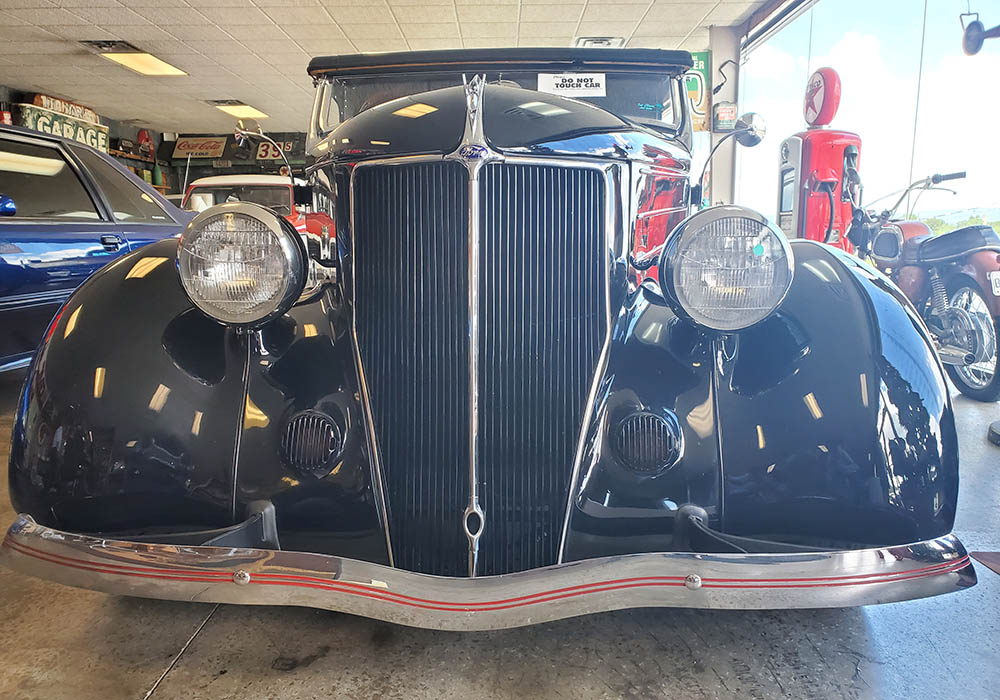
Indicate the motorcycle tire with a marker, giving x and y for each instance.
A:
(978, 390)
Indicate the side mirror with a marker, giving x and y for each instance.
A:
(750, 129)
(246, 128)
(7, 206)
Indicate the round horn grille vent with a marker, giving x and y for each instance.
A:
(311, 442)
(648, 443)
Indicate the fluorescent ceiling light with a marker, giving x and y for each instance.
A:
(144, 63)
(414, 111)
(242, 111)
(30, 165)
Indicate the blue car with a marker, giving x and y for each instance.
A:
(66, 210)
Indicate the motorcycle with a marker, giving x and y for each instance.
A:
(953, 280)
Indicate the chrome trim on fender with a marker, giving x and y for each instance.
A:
(668, 579)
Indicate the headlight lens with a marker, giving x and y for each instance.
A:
(241, 264)
(727, 267)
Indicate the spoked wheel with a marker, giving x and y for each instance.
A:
(980, 380)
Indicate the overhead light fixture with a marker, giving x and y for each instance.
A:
(238, 109)
(144, 63)
(124, 54)
(599, 42)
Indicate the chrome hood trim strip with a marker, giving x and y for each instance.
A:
(667, 579)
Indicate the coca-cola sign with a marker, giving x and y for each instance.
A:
(199, 146)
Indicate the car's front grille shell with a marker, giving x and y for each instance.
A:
(542, 324)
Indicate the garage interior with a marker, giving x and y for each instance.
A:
(58, 642)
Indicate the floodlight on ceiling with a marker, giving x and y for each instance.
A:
(124, 54)
(599, 42)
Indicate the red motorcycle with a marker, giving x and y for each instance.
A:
(953, 280)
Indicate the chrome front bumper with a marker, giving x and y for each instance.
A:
(669, 579)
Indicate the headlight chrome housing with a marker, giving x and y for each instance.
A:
(241, 263)
(726, 268)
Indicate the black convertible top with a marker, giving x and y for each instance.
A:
(541, 59)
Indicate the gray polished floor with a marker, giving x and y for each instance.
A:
(58, 642)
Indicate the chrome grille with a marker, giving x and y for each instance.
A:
(542, 325)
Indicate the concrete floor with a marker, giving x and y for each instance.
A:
(58, 642)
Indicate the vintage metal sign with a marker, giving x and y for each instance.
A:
(50, 122)
(199, 146)
(70, 109)
(698, 82)
(269, 151)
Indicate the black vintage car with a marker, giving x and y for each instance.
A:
(526, 384)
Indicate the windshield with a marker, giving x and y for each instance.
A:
(644, 97)
(277, 197)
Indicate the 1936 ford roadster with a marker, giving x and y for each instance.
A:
(524, 384)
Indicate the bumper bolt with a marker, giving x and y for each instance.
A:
(693, 582)
(242, 578)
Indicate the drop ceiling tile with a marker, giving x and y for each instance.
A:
(25, 34)
(547, 29)
(432, 44)
(153, 3)
(543, 41)
(550, 2)
(108, 16)
(205, 31)
(372, 31)
(164, 47)
(287, 3)
(496, 30)
(224, 16)
(614, 13)
(424, 13)
(494, 2)
(360, 13)
(487, 13)
(200, 4)
(9, 20)
(447, 30)
(53, 47)
(299, 15)
(46, 15)
(550, 13)
(606, 28)
(26, 4)
(485, 42)
(327, 47)
(269, 47)
(688, 13)
(381, 45)
(654, 42)
(218, 47)
(170, 16)
(140, 32)
(730, 14)
(313, 31)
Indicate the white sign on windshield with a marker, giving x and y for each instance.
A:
(572, 84)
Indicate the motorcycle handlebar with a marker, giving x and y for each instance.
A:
(950, 176)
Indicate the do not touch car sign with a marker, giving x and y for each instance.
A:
(572, 84)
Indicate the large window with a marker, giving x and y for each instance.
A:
(876, 49)
(42, 183)
(128, 202)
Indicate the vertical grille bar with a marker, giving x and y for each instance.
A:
(411, 277)
(544, 321)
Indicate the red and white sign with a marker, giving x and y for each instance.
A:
(267, 151)
(199, 146)
(822, 97)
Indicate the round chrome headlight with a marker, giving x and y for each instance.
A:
(241, 263)
(726, 268)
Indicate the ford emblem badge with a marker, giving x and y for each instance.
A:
(472, 152)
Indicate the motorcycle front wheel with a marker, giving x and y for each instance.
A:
(980, 380)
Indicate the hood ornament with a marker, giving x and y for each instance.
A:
(473, 151)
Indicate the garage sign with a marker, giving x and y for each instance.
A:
(572, 84)
(50, 122)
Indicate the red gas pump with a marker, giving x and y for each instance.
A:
(813, 190)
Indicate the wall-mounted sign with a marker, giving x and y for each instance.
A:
(572, 84)
(70, 109)
(199, 146)
(698, 83)
(50, 122)
(270, 151)
(724, 116)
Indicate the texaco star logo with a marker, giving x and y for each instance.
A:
(815, 93)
